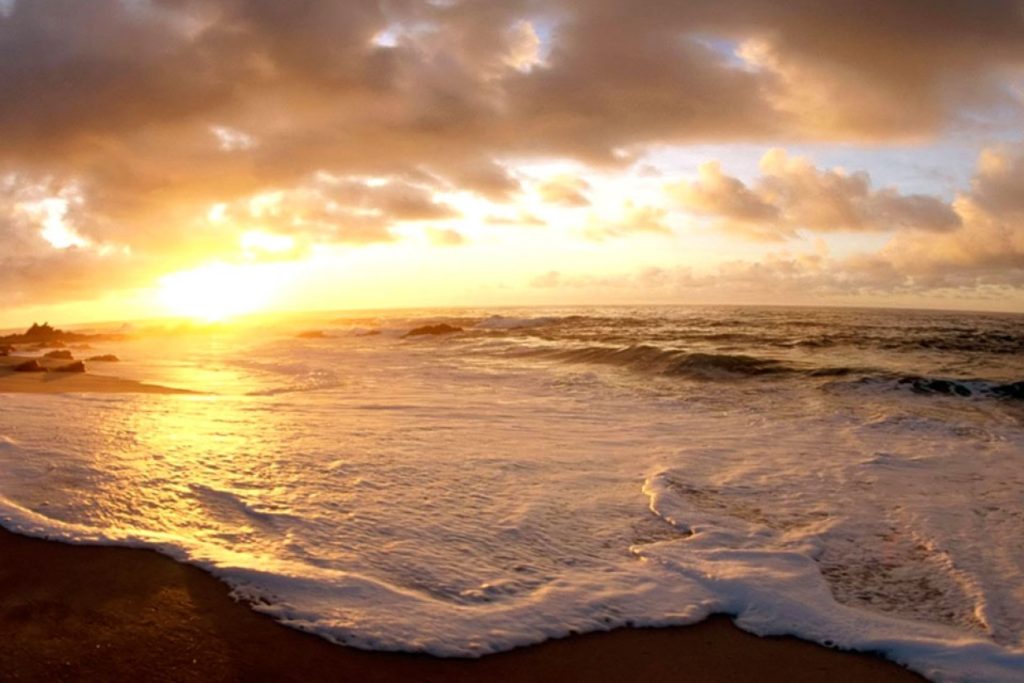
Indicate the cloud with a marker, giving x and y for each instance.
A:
(548, 280)
(989, 247)
(784, 277)
(524, 46)
(485, 178)
(337, 209)
(980, 255)
(564, 190)
(877, 69)
(155, 111)
(396, 200)
(792, 195)
(445, 237)
(313, 78)
(998, 185)
(723, 197)
(632, 220)
(518, 219)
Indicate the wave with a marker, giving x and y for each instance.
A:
(726, 366)
(950, 341)
(500, 322)
(688, 364)
(963, 388)
(769, 567)
(789, 333)
(672, 362)
(940, 386)
(752, 333)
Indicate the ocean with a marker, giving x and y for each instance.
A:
(852, 477)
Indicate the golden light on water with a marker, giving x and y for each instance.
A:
(216, 291)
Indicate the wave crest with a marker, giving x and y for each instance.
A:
(672, 362)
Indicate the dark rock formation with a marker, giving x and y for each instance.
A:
(46, 335)
(77, 366)
(433, 330)
(59, 355)
(106, 358)
(42, 332)
(923, 385)
(29, 366)
(1014, 390)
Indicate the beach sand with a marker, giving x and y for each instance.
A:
(51, 382)
(86, 613)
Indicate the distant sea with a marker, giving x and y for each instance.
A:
(853, 477)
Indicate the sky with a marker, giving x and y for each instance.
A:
(205, 158)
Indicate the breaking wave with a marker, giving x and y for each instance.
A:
(938, 386)
(689, 364)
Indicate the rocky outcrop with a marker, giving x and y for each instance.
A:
(77, 366)
(47, 336)
(41, 332)
(59, 355)
(1014, 390)
(29, 366)
(105, 358)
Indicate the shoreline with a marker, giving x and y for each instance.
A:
(52, 381)
(78, 612)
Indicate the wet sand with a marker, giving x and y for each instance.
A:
(52, 382)
(78, 613)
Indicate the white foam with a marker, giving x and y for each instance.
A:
(772, 583)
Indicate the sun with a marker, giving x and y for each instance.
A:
(216, 291)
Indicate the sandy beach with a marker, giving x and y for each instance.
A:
(53, 382)
(72, 613)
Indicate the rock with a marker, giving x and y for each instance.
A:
(77, 366)
(311, 334)
(29, 366)
(44, 331)
(105, 358)
(923, 385)
(1014, 390)
(433, 330)
(47, 336)
(59, 355)
(6, 350)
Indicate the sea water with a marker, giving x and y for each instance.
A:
(852, 477)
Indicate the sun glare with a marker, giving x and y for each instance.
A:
(216, 292)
